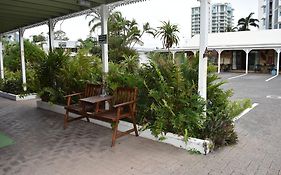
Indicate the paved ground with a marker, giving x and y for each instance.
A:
(44, 148)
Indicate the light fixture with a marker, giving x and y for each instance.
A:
(85, 3)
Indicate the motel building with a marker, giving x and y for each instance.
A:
(244, 51)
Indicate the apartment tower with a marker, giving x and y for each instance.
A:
(221, 17)
(270, 14)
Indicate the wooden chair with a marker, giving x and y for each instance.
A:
(76, 108)
(123, 105)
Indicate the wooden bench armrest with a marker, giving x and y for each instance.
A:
(124, 104)
(69, 97)
(72, 95)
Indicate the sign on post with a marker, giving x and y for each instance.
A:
(102, 39)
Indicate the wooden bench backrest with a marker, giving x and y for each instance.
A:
(92, 90)
(124, 94)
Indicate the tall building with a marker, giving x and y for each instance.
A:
(221, 17)
(270, 14)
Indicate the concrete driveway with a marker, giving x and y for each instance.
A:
(44, 148)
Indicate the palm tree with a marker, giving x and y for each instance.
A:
(123, 34)
(125, 30)
(95, 22)
(244, 23)
(145, 29)
(230, 29)
(168, 34)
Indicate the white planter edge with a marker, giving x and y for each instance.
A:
(17, 97)
(192, 144)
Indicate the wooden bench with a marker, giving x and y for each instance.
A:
(123, 105)
(76, 108)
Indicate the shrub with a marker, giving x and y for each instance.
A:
(12, 82)
(59, 74)
(48, 71)
(13, 77)
(33, 54)
(173, 104)
(80, 70)
(221, 111)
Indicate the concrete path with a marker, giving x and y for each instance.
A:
(44, 148)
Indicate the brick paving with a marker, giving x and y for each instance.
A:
(43, 148)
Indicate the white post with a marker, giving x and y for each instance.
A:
(104, 18)
(194, 52)
(104, 11)
(247, 60)
(51, 34)
(1, 59)
(174, 56)
(278, 61)
(219, 60)
(203, 59)
(234, 55)
(21, 31)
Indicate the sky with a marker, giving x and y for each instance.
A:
(152, 11)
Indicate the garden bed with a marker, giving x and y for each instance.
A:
(17, 97)
(192, 144)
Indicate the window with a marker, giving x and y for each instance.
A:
(222, 8)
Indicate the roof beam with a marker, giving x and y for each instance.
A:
(12, 12)
(28, 13)
(25, 10)
(13, 4)
(19, 20)
(7, 26)
(94, 3)
(52, 4)
(4, 17)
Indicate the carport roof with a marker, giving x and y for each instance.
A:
(15, 14)
(241, 40)
(252, 40)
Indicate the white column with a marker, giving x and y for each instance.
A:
(174, 56)
(219, 60)
(104, 18)
(203, 59)
(1, 59)
(194, 52)
(21, 31)
(234, 56)
(278, 61)
(247, 60)
(51, 25)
